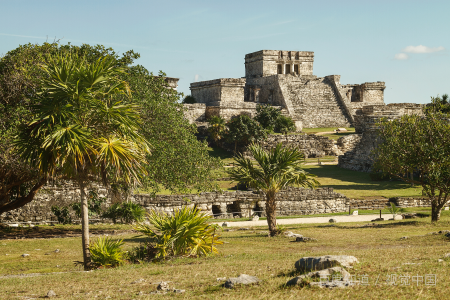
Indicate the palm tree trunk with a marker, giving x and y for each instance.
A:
(85, 226)
(271, 213)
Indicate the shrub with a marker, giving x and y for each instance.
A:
(62, 214)
(217, 129)
(189, 100)
(106, 253)
(243, 130)
(284, 125)
(267, 116)
(127, 212)
(393, 209)
(186, 232)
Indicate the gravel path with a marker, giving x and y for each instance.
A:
(311, 220)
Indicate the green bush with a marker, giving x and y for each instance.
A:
(126, 212)
(106, 253)
(284, 125)
(267, 116)
(185, 232)
(189, 100)
(62, 214)
(242, 130)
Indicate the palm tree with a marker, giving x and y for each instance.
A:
(272, 171)
(217, 129)
(79, 132)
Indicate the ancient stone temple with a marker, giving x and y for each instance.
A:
(284, 79)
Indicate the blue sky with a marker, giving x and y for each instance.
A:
(404, 43)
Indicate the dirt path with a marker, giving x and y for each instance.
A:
(311, 220)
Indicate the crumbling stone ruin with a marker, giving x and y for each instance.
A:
(358, 147)
(284, 79)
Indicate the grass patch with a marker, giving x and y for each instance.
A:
(325, 129)
(358, 185)
(379, 249)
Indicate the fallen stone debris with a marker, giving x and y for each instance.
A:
(242, 279)
(324, 267)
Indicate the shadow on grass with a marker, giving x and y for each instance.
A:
(219, 153)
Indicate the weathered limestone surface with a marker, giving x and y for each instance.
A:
(359, 156)
(195, 112)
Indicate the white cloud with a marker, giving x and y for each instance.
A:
(422, 49)
(196, 77)
(401, 56)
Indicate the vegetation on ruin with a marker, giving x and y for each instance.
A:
(416, 150)
(379, 248)
(243, 130)
(271, 171)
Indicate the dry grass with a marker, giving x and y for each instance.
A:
(380, 250)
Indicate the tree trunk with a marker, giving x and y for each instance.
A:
(271, 213)
(85, 226)
(436, 208)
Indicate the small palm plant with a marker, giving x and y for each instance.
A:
(394, 210)
(185, 232)
(106, 253)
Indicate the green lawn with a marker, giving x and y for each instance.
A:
(358, 185)
(380, 250)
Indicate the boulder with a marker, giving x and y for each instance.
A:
(291, 234)
(50, 294)
(322, 273)
(398, 217)
(255, 218)
(332, 220)
(225, 224)
(377, 219)
(307, 264)
(163, 286)
(242, 279)
(305, 239)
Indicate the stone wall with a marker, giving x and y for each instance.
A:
(311, 145)
(359, 155)
(195, 112)
(291, 201)
(219, 92)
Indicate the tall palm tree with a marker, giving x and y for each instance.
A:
(79, 132)
(272, 171)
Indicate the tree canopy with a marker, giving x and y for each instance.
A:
(420, 145)
(178, 160)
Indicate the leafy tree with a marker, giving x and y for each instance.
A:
(267, 116)
(421, 145)
(217, 129)
(284, 125)
(189, 100)
(20, 79)
(80, 131)
(243, 130)
(178, 161)
(272, 171)
(441, 104)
